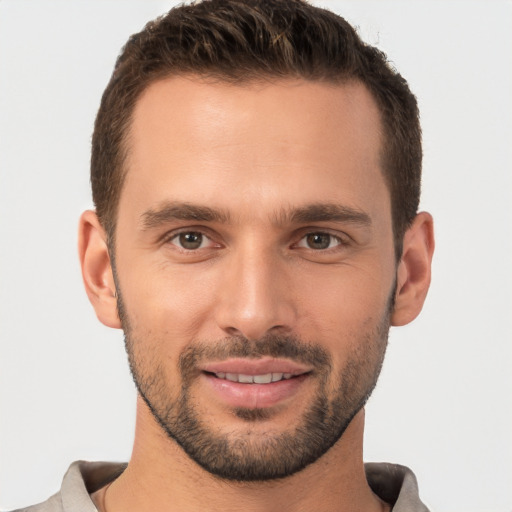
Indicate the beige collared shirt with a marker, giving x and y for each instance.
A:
(394, 484)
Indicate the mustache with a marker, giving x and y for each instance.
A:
(271, 345)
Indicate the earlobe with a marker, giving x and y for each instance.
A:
(97, 270)
(414, 270)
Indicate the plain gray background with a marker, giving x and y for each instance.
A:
(443, 404)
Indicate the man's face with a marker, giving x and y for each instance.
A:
(255, 267)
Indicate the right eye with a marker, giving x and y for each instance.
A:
(191, 240)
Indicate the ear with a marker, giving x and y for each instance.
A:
(97, 269)
(414, 270)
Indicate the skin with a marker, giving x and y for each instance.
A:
(256, 153)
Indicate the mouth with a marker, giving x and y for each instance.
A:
(264, 378)
(254, 383)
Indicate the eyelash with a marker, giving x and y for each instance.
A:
(332, 238)
(339, 241)
(175, 235)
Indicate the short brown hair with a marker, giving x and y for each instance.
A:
(243, 40)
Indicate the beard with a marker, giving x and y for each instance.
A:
(247, 454)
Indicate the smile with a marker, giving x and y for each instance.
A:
(265, 378)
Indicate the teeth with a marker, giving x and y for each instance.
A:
(265, 378)
(262, 379)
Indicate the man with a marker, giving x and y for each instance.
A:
(255, 170)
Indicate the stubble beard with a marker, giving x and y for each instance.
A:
(245, 454)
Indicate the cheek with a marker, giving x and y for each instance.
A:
(168, 303)
(345, 312)
(345, 297)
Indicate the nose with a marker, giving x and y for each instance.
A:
(256, 296)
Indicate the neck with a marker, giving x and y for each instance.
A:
(162, 478)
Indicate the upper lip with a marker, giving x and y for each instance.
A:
(260, 366)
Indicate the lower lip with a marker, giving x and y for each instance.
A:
(254, 396)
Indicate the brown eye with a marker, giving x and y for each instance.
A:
(190, 240)
(319, 241)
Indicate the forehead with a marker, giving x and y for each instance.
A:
(208, 142)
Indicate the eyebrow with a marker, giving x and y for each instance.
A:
(316, 212)
(172, 211)
(326, 212)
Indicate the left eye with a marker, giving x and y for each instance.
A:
(319, 241)
(190, 240)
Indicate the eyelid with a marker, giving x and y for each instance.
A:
(169, 236)
(343, 238)
(302, 243)
(205, 241)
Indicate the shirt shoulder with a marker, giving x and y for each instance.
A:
(81, 479)
(396, 485)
